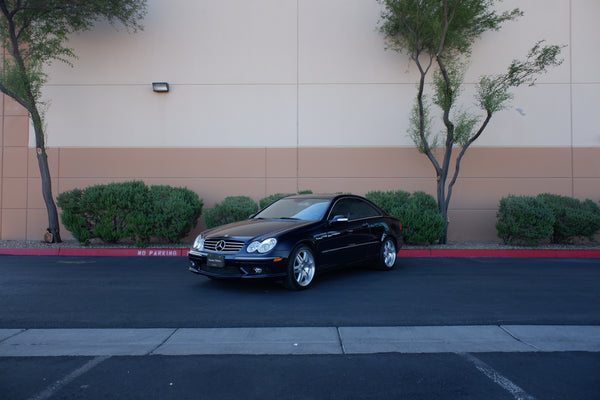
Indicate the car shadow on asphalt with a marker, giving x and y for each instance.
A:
(331, 278)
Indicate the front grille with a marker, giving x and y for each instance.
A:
(230, 246)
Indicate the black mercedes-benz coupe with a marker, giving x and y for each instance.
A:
(297, 237)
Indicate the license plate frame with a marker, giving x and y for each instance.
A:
(215, 261)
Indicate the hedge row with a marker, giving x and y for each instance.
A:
(133, 210)
(529, 220)
(129, 210)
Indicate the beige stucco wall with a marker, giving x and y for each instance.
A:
(282, 73)
(279, 95)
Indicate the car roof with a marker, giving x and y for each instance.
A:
(314, 196)
(327, 196)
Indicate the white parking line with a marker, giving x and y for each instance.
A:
(502, 381)
(56, 386)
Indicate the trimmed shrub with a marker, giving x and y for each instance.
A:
(232, 209)
(389, 201)
(176, 212)
(73, 217)
(110, 212)
(129, 210)
(266, 201)
(421, 219)
(524, 220)
(573, 219)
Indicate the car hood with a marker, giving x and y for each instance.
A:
(256, 227)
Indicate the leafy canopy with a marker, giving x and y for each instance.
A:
(435, 27)
(35, 33)
(438, 36)
(441, 33)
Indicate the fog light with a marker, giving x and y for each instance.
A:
(258, 270)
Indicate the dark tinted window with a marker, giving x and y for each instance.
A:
(352, 209)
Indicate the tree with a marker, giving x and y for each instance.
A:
(34, 33)
(438, 36)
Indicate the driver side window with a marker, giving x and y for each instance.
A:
(353, 209)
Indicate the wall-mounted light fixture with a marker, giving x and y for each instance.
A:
(160, 87)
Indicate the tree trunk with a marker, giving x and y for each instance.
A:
(443, 205)
(53, 226)
(53, 232)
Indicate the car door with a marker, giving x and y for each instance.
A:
(348, 237)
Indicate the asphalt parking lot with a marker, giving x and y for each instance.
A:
(432, 328)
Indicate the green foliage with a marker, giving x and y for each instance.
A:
(73, 216)
(175, 212)
(493, 91)
(561, 219)
(438, 36)
(419, 128)
(389, 201)
(573, 219)
(419, 214)
(108, 212)
(524, 220)
(449, 26)
(232, 209)
(448, 87)
(35, 33)
(264, 202)
(464, 127)
(129, 210)
(421, 219)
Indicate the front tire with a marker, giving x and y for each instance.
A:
(301, 269)
(387, 255)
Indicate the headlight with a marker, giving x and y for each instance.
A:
(262, 247)
(199, 243)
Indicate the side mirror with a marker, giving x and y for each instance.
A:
(339, 218)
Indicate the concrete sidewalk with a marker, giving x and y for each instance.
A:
(298, 340)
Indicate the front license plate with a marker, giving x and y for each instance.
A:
(215, 261)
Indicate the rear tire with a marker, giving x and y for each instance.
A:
(301, 269)
(387, 255)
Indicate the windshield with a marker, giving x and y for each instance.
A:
(305, 209)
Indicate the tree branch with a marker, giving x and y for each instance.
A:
(464, 150)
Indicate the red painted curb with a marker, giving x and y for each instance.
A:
(494, 253)
(96, 252)
(403, 253)
(516, 253)
(414, 253)
(577, 253)
(29, 252)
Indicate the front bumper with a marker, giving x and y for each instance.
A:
(236, 266)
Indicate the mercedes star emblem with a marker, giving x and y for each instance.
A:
(220, 245)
